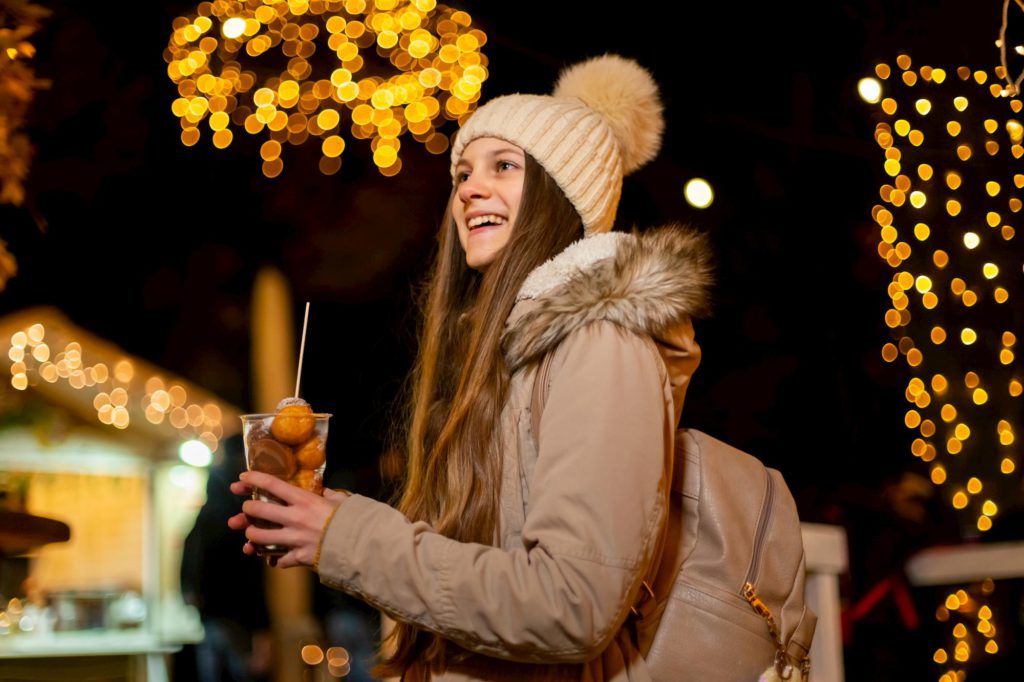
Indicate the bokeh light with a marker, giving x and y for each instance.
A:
(298, 71)
(698, 193)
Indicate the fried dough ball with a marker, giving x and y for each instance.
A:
(311, 454)
(271, 457)
(307, 479)
(293, 424)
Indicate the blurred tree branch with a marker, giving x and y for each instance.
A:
(18, 20)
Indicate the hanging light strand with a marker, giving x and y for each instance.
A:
(385, 69)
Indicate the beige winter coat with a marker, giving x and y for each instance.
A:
(581, 514)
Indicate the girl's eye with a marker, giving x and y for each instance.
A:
(506, 165)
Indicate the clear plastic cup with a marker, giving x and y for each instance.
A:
(292, 447)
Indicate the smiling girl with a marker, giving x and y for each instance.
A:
(522, 543)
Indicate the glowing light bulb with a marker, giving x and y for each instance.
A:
(233, 27)
(698, 193)
(195, 453)
(870, 90)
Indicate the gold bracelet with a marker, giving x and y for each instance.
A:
(323, 532)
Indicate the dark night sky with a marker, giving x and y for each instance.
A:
(154, 245)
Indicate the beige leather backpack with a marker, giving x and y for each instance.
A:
(725, 602)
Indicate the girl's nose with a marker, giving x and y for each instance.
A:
(473, 187)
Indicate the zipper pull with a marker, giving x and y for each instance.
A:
(755, 602)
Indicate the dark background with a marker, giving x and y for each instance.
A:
(154, 245)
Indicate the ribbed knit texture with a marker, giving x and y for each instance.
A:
(570, 140)
(603, 121)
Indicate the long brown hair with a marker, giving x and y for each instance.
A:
(460, 382)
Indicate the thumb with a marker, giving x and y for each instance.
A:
(337, 496)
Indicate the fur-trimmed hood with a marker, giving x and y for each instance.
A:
(645, 282)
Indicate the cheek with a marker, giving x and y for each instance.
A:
(514, 200)
(460, 226)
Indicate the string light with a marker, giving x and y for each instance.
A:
(117, 396)
(964, 214)
(870, 90)
(971, 627)
(249, 66)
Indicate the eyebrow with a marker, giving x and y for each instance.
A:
(494, 153)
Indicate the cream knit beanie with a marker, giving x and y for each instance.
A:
(603, 121)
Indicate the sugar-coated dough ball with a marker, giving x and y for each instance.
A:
(293, 424)
(288, 402)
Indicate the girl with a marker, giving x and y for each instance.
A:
(522, 543)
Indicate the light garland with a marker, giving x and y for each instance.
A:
(430, 70)
(972, 629)
(952, 145)
(946, 228)
(121, 389)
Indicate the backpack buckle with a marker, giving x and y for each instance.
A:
(646, 597)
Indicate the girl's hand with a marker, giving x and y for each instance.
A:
(302, 517)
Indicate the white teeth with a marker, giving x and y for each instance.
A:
(483, 219)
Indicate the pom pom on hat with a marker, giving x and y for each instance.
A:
(626, 96)
(604, 121)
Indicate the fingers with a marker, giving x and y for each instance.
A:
(278, 537)
(267, 511)
(264, 536)
(238, 522)
(300, 546)
(240, 488)
(287, 561)
(273, 485)
(297, 524)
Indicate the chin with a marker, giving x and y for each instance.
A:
(479, 261)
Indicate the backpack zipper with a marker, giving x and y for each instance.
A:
(759, 534)
(782, 664)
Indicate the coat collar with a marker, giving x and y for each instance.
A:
(645, 282)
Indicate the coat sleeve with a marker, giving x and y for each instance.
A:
(597, 500)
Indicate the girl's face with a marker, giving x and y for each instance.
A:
(488, 188)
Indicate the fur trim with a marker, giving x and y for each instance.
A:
(626, 96)
(652, 281)
(577, 257)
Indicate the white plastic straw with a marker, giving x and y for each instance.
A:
(302, 349)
